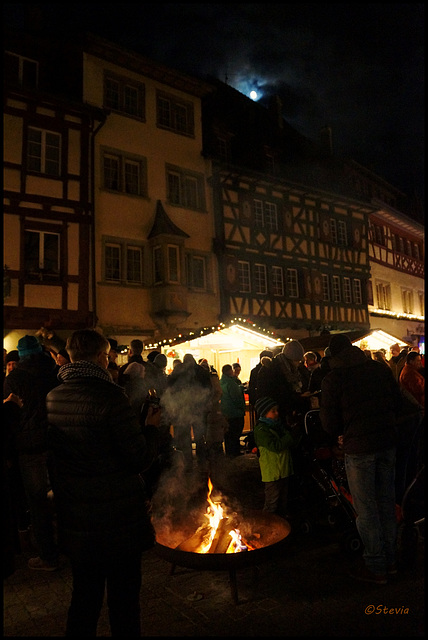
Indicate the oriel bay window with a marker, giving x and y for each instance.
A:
(166, 264)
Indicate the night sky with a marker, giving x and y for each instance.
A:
(356, 67)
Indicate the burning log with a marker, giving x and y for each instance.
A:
(222, 537)
(197, 541)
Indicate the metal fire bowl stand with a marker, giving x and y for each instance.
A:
(273, 532)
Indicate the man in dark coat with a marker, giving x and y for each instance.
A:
(253, 394)
(360, 401)
(31, 380)
(99, 451)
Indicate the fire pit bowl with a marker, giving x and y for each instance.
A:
(265, 532)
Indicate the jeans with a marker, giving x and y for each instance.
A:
(35, 478)
(121, 577)
(371, 480)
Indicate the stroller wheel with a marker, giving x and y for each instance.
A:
(350, 543)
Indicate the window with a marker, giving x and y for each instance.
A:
(260, 280)
(124, 96)
(173, 263)
(383, 295)
(358, 298)
(196, 272)
(244, 277)
(157, 265)
(44, 152)
(174, 114)
(379, 234)
(407, 297)
(20, 71)
(342, 233)
(125, 174)
(277, 281)
(421, 297)
(347, 294)
(336, 289)
(333, 230)
(41, 253)
(325, 287)
(123, 262)
(185, 189)
(265, 215)
(223, 150)
(292, 283)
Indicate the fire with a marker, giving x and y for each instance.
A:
(213, 534)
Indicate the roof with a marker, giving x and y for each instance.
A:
(375, 338)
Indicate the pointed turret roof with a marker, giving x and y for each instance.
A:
(164, 225)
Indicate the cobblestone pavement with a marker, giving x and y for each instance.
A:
(305, 591)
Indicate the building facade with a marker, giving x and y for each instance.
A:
(148, 203)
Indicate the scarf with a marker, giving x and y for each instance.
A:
(83, 369)
(290, 372)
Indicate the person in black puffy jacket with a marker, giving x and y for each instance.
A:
(99, 453)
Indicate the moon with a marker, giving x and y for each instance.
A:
(253, 95)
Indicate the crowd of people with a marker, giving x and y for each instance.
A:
(97, 436)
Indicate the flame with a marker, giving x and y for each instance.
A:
(215, 515)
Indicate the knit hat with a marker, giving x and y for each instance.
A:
(264, 405)
(293, 350)
(266, 353)
(113, 344)
(152, 355)
(338, 343)
(160, 361)
(12, 356)
(28, 345)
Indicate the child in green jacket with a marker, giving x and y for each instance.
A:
(274, 440)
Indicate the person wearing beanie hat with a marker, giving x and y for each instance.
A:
(360, 402)
(274, 442)
(160, 361)
(28, 345)
(293, 350)
(11, 360)
(339, 342)
(264, 405)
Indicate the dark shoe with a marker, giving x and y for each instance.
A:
(392, 570)
(37, 564)
(364, 574)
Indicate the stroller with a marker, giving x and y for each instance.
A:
(322, 495)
